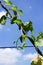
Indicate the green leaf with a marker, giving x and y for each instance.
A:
(9, 3)
(15, 13)
(33, 38)
(3, 20)
(20, 12)
(39, 42)
(6, 14)
(31, 29)
(23, 38)
(28, 27)
(37, 61)
(40, 35)
(14, 8)
(24, 44)
(21, 47)
(18, 22)
(13, 19)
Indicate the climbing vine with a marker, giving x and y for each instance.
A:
(24, 27)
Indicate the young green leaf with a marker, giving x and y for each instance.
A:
(6, 14)
(8, 3)
(24, 44)
(13, 19)
(18, 22)
(20, 12)
(15, 13)
(23, 38)
(28, 27)
(33, 37)
(14, 8)
(3, 20)
(40, 35)
(21, 47)
(39, 42)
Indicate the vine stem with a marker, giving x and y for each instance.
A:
(36, 48)
(5, 9)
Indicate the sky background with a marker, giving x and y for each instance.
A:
(32, 10)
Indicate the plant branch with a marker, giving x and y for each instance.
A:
(36, 48)
(5, 9)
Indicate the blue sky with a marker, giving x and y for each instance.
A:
(32, 10)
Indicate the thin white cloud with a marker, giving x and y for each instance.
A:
(2, 13)
(13, 56)
(29, 56)
(9, 56)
